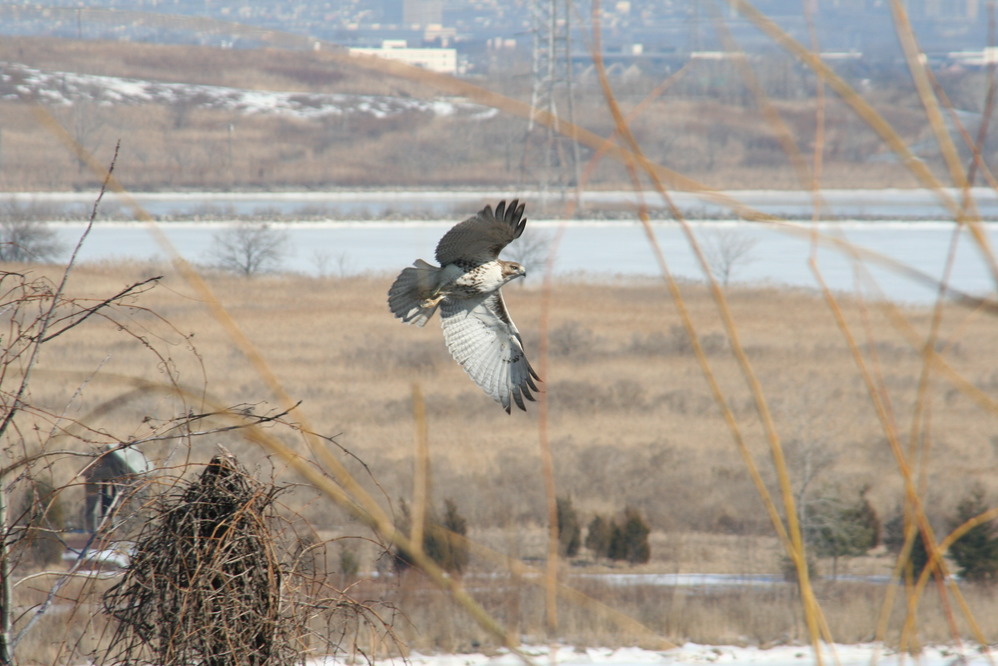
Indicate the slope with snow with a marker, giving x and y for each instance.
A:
(66, 88)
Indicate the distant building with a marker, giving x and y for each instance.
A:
(718, 55)
(979, 58)
(108, 481)
(441, 35)
(436, 60)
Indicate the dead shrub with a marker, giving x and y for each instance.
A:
(674, 343)
(205, 583)
(390, 356)
(573, 339)
(584, 396)
(218, 578)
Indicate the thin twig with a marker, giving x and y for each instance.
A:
(87, 312)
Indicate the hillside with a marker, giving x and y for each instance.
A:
(273, 119)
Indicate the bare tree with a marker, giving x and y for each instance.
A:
(249, 248)
(36, 311)
(25, 235)
(321, 260)
(87, 118)
(530, 250)
(725, 249)
(327, 264)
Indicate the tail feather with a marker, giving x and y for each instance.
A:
(410, 289)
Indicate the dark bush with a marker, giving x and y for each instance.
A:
(598, 536)
(455, 529)
(627, 540)
(894, 538)
(976, 552)
(635, 531)
(569, 530)
(443, 540)
(838, 529)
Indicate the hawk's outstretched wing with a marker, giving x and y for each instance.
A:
(481, 238)
(484, 340)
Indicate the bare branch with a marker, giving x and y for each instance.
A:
(87, 312)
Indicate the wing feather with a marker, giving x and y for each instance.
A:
(482, 237)
(485, 342)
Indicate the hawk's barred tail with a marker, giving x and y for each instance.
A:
(410, 291)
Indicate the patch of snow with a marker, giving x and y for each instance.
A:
(67, 88)
(111, 558)
(866, 654)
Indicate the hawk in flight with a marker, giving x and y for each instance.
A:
(466, 288)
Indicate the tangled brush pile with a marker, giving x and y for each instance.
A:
(208, 583)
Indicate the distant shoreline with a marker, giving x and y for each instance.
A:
(360, 205)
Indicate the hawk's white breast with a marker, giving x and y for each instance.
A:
(482, 279)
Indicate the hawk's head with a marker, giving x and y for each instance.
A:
(512, 270)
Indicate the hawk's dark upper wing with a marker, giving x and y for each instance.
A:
(481, 238)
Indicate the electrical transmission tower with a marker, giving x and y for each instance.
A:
(550, 153)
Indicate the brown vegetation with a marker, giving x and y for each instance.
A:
(631, 423)
(626, 411)
(716, 136)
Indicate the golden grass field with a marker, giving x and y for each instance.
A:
(630, 419)
(860, 394)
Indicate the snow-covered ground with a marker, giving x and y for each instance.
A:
(63, 88)
(834, 655)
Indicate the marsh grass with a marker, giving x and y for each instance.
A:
(632, 425)
(761, 616)
(619, 413)
(646, 384)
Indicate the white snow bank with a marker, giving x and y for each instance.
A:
(691, 653)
